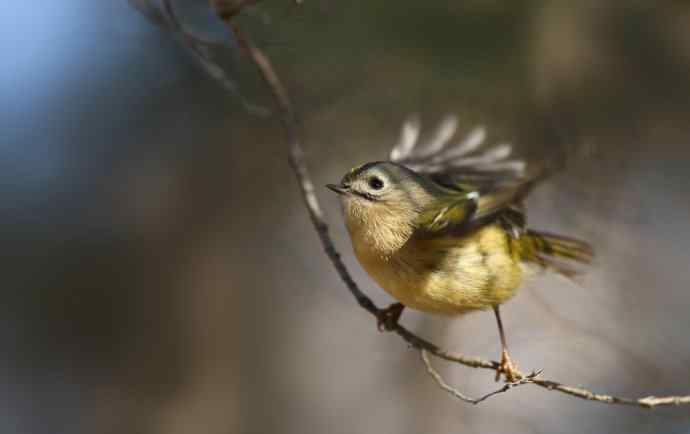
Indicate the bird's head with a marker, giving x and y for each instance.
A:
(381, 201)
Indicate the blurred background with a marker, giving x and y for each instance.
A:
(160, 271)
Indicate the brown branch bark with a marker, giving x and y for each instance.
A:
(298, 164)
(434, 374)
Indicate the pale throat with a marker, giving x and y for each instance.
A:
(378, 231)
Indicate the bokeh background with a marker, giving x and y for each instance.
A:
(160, 274)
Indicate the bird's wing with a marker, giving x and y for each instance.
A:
(451, 162)
(480, 184)
(455, 213)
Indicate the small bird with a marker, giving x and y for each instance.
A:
(449, 237)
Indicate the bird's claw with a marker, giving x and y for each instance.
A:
(387, 319)
(508, 368)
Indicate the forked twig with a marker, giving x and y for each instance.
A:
(459, 395)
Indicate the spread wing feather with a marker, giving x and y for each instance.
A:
(478, 185)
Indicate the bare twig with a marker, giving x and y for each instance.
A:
(201, 49)
(296, 159)
(646, 402)
(227, 9)
(298, 164)
(457, 394)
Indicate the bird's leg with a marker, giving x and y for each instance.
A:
(388, 318)
(507, 367)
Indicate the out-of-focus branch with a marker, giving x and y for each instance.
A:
(227, 9)
(203, 50)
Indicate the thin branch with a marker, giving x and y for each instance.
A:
(434, 374)
(201, 49)
(646, 402)
(227, 9)
(298, 164)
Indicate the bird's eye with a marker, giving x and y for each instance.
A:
(375, 183)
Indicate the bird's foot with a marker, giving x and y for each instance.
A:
(387, 319)
(508, 368)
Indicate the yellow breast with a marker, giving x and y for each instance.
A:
(447, 274)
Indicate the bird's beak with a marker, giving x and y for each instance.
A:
(340, 189)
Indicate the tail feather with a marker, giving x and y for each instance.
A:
(551, 251)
